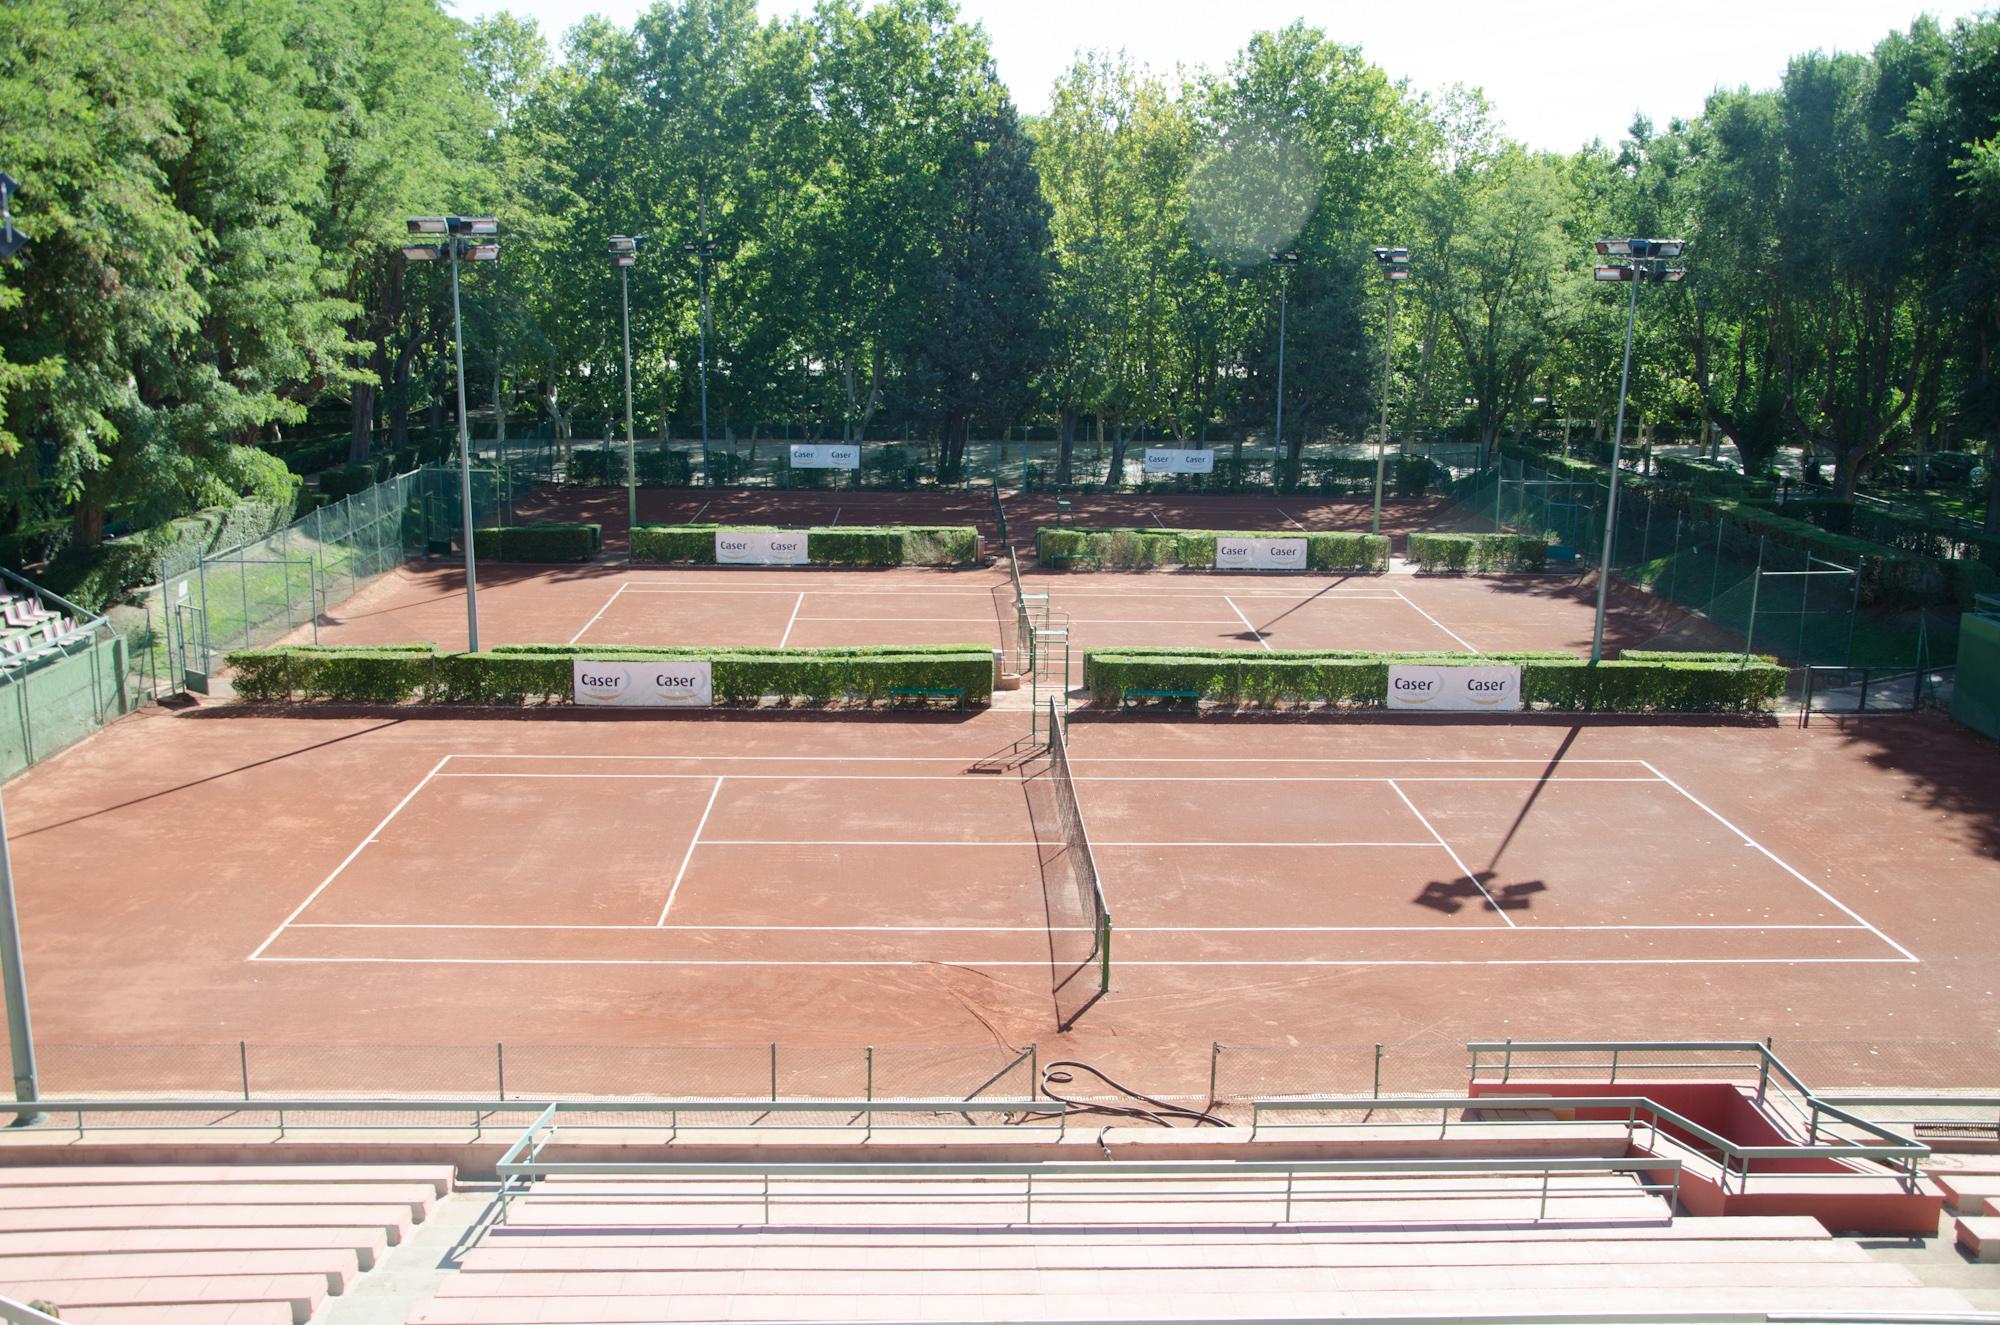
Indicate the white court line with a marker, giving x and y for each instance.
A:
(1469, 645)
(1463, 871)
(1288, 519)
(693, 842)
(600, 612)
(1031, 842)
(1043, 964)
(890, 620)
(786, 637)
(373, 833)
(1080, 758)
(1772, 857)
(1246, 621)
(963, 777)
(836, 518)
(1484, 930)
(696, 517)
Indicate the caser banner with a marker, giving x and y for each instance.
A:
(664, 683)
(760, 547)
(825, 456)
(1260, 554)
(1454, 689)
(1179, 460)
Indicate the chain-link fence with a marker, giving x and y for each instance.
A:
(248, 1071)
(54, 694)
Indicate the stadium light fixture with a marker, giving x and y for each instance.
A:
(13, 973)
(623, 250)
(458, 247)
(1284, 260)
(1395, 266)
(1644, 264)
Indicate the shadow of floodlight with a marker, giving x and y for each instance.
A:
(1451, 896)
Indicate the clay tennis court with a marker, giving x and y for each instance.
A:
(369, 878)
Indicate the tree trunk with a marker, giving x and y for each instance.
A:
(1993, 488)
(361, 421)
(1066, 449)
(87, 522)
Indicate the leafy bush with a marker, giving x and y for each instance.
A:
(1414, 476)
(1461, 554)
(657, 466)
(347, 480)
(1138, 548)
(1887, 577)
(539, 542)
(1704, 477)
(840, 545)
(1658, 682)
(514, 674)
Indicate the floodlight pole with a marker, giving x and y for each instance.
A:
(1382, 442)
(1617, 442)
(464, 461)
(1278, 444)
(13, 972)
(631, 468)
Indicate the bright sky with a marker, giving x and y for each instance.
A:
(1557, 78)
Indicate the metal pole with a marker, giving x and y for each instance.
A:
(631, 471)
(1756, 583)
(464, 466)
(1278, 449)
(704, 359)
(1382, 443)
(14, 978)
(1617, 441)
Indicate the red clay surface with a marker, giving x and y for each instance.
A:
(559, 878)
(613, 604)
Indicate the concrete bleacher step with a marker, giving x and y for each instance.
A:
(807, 1305)
(1056, 1254)
(1979, 1235)
(239, 1313)
(337, 1266)
(300, 1293)
(1965, 1192)
(393, 1221)
(367, 1244)
(415, 1199)
(441, 1177)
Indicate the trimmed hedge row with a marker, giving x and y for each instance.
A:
(839, 545)
(541, 673)
(1899, 530)
(1887, 576)
(598, 467)
(539, 542)
(1122, 549)
(1461, 554)
(1634, 683)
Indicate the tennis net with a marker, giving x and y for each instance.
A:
(1079, 921)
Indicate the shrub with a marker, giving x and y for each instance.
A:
(657, 466)
(854, 546)
(542, 673)
(693, 543)
(347, 480)
(1136, 548)
(539, 542)
(840, 545)
(1887, 576)
(1655, 682)
(1414, 476)
(1461, 554)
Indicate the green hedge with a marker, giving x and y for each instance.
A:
(1887, 576)
(597, 467)
(1903, 531)
(539, 542)
(515, 674)
(839, 545)
(1704, 477)
(1638, 683)
(1125, 549)
(1461, 554)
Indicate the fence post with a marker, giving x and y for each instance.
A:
(500, 1067)
(243, 578)
(1214, 1060)
(870, 1096)
(243, 1065)
(774, 1071)
(1034, 1070)
(1756, 583)
(1378, 1070)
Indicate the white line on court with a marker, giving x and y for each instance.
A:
(693, 842)
(836, 518)
(1484, 930)
(696, 518)
(1465, 873)
(961, 777)
(1080, 758)
(1773, 858)
(1288, 518)
(600, 612)
(785, 638)
(1044, 965)
(1246, 622)
(1469, 645)
(373, 833)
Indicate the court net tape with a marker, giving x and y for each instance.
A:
(1079, 924)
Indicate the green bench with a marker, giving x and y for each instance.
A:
(928, 693)
(1127, 696)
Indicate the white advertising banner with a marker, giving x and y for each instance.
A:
(1455, 689)
(825, 456)
(1179, 460)
(760, 547)
(665, 683)
(1260, 554)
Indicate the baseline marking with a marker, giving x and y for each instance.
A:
(1246, 622)
(600, 612)
(1464, 873)
(1750, 841)
(693, 842)
(1469, 645)
(1067, 929)
(373, 834)
(1043, 964)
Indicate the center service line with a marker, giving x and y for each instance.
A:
(1246, 621)
(1465, 873)
(693, 842)
(786, 637)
